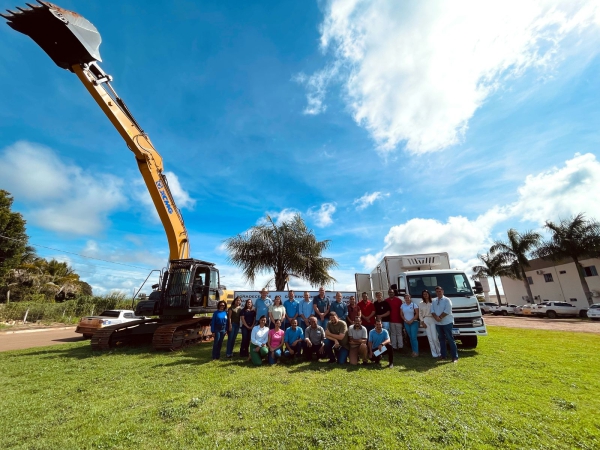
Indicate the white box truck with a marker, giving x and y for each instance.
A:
(414, 273)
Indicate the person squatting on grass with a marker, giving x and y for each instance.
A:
(357, 340)
(395, 320)
(233, 324)
(314, 336)
(275, 342)
(410, 315)
(218, 327)
(428, 322)
(248, 317)
(441, 310)
(293, 340)
(336, 342)
(379, 339)
(259, 341)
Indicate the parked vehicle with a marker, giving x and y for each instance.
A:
(505, 310)
(552, 310)
(486, 307)
(527, 310)
(594, 311)
(518, 310)
(89, 325)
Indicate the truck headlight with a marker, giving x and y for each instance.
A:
(478, 322)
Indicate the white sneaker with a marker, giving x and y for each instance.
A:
(390, 366)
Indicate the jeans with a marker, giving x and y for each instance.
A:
(412, 330)
(217, 344)
(257, 357)
(385, 325)
(341, 354)
(273, 357)
(231, 337)
(246, 334)
(323, 323)
(297, 350)
(445, 334)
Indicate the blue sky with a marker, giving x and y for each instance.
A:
(392, 127)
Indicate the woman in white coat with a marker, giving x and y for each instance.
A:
(428, 322)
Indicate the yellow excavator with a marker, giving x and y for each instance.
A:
(189, 286)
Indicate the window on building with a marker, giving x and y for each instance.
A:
(548, 277)
(574, 300)
(562, 271)
(590, 271)
(530, 280)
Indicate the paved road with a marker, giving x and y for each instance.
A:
(17, 341)
(543, 323)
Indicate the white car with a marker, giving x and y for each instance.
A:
(88, 325)
(486, 307)
(505, 310)
(552, 310)
(594, 311)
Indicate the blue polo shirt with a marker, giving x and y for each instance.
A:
(291, 308)
(322, 303)
(262, 307)
(305, 308)
(377, 338)
(290, 335)
(341, 309)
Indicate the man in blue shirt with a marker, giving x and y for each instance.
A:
(262, 306)
(441, 311)
(339, 307)
(321, 308)
(305, 311)
(291, 309)
(379, 338)
(293, 339)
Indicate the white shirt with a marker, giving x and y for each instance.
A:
(424, 310)
(259, 336)
(409, 310)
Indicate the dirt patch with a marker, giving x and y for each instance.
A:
(543, 323)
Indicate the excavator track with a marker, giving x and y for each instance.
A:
(177, 335)
(136, 332)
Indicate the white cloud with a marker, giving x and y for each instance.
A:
(182, 198)
(368, 200)
(322, 216)
(60, 196)
(417, 71)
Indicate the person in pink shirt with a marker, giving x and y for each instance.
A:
(395, 320)
(275, 343)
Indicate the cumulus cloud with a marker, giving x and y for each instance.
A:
(368, 200)
(322, 216)
(60, 196)
(417, 71)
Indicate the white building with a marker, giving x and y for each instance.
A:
(554, 281)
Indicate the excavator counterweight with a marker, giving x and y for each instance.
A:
(64, 35)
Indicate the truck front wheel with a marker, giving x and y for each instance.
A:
(551, 314)
(468, 341)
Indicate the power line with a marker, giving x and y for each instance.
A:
(73, 253)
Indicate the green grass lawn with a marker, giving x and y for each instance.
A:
(518, 389)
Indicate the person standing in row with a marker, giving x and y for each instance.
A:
(259, 340)
(233, 324)
(410, 316)
(357, 340)
(314, 337)
(441, 311)
(339, 307)
(291, 309)
(276, 311)
(353, 311)
(262, 305)
(379, 339)
(367, 312)
(305, 311)
(275, 342)
(428, 323)
(248, 318)
(293, 339)
(218, 328)
(382, 310)
(336, 344)
(321, 308)
(395, 320)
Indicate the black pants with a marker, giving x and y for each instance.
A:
(389, 351)
(309, 351)
(246, 334)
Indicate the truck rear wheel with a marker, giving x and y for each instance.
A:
(468, 341)
(551, 314)
(505, 313)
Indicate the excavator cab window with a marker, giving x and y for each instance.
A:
(213, 296)
(199, 288)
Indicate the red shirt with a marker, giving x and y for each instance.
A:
(395, 304)
(367, 308)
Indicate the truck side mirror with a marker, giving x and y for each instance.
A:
(478, 287)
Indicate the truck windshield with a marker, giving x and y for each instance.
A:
(454, 284)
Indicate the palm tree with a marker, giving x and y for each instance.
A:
(513, 254)
(575, 238)
(288, 249)
(492, 267)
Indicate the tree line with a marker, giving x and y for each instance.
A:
(575, 239)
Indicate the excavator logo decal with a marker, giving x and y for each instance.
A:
(164, 197)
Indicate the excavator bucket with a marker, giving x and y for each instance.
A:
(64, 35)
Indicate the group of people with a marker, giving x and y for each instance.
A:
(317, 328)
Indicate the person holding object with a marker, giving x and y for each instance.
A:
(395, 320)
(410, 316)
(248, 317)
(357, 340)
(441, 311)
(379, 342)
(275, 342)
(321, 308)
(305, 311)
(218, 327)
(428, 322)
(314, 336)
(293, 339)
(259, 340)
(233, 324)
(336, 343)
(276, 311)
